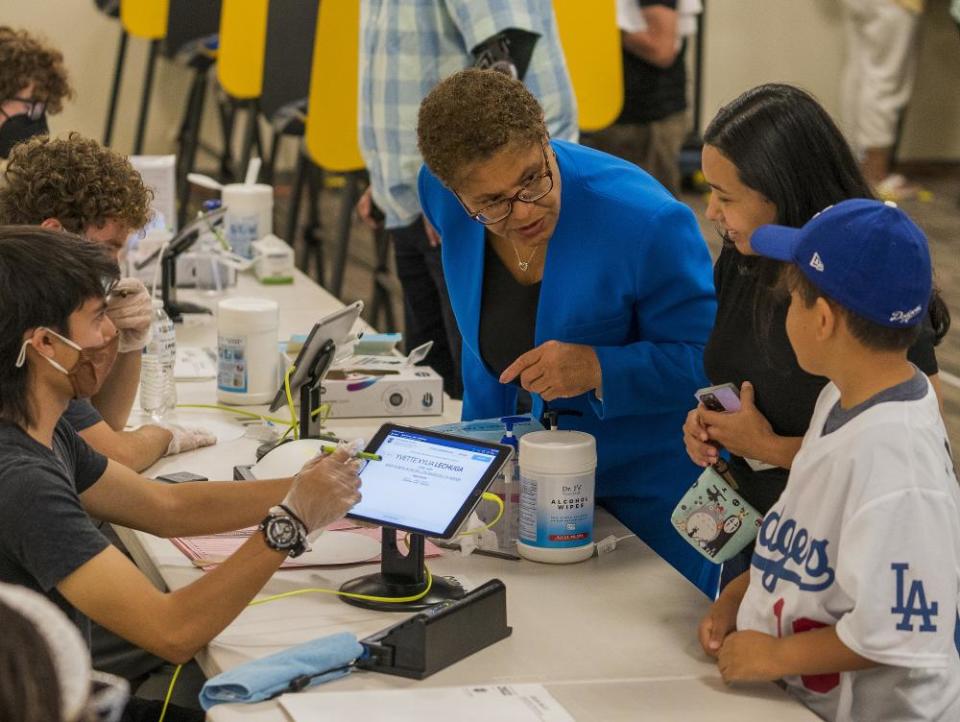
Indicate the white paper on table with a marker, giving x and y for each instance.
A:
(483, 703)
(194, 363)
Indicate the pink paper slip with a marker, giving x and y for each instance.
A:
(344, 543)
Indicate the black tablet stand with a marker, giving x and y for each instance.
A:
(168, 283)
(401, 575)
(311, 390)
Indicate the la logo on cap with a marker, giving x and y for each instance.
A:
(815, 262)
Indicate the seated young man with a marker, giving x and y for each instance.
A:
(853, 591)
(57, 342)
(78, 185)
(33, 81)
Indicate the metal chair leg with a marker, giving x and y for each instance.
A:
(115, 88)
(293, 212)
(351, 194)
(313, 232)
(190, 141)
(145, 97)
(228, 115)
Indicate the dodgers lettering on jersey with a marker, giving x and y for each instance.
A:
(786, 551)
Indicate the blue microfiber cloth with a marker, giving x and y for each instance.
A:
(317, 661)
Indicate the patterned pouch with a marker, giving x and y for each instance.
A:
(713, 517)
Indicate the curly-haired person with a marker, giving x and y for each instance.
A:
(33, 80)
(78, 185)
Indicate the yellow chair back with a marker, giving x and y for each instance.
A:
(591, 44)
(145, 18)
(243, 42)
(332, 124)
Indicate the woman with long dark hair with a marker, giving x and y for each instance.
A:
(773, 155)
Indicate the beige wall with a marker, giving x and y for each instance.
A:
(747, 42)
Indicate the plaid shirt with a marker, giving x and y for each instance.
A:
(407, 47)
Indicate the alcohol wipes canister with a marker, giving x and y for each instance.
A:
(557, 480)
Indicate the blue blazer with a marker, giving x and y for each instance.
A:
(628, 273)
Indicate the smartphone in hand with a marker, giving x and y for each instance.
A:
(724, 397)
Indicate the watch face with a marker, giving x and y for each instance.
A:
(282, 531)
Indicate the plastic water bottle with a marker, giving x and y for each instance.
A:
(158, 389)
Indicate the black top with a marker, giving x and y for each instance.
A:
(651, 93)
(82, 414)
(508, 314)
(45, 533)
(785, 394)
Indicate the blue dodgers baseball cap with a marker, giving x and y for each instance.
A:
(866, 255)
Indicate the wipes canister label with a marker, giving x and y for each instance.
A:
(556, 513)
(232, 363)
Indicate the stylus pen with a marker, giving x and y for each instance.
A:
(360, 454)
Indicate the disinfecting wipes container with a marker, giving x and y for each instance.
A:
(557, 477)
(249, 215)
(247, 350)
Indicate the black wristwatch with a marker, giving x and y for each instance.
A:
(284, 532)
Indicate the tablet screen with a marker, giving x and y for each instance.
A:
(425, 482)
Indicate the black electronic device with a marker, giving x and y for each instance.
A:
(168, 254)
(426, 483)
(312, 363)
(440, 636)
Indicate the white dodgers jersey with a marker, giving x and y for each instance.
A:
(866, 537)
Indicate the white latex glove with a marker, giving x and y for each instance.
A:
(325, 489)
(187, 438)
(131, 311)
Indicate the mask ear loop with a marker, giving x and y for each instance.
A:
(22, 356)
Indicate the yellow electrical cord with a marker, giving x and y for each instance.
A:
(233, 410)
(173, 682)
(479, 530)
(293, 414)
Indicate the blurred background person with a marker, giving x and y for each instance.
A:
(878, 78)
(654, 121)
(33, 82)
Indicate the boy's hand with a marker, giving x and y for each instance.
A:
(749, 656)
(714, 628)
(745, 432)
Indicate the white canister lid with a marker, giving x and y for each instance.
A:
(238, 190)
(558, 452)
(249, 314)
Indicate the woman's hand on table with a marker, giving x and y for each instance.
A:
(697, 440)
(556, 370)
(745, 432)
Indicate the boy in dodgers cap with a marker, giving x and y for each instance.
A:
(852, 594)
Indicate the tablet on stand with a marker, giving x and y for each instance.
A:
(169, 252)
(426, 483)
(312, 364)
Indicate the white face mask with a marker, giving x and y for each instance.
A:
(91, 369)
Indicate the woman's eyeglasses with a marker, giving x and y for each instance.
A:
(533, 191)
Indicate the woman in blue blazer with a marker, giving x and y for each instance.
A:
(573, 275)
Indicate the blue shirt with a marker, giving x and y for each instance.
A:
(407, 47)
(628, 273)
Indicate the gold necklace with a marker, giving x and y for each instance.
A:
(524, 265)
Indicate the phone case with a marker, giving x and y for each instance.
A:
(714, 519)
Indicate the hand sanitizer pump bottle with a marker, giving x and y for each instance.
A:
(508, 526)
(557, 478)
